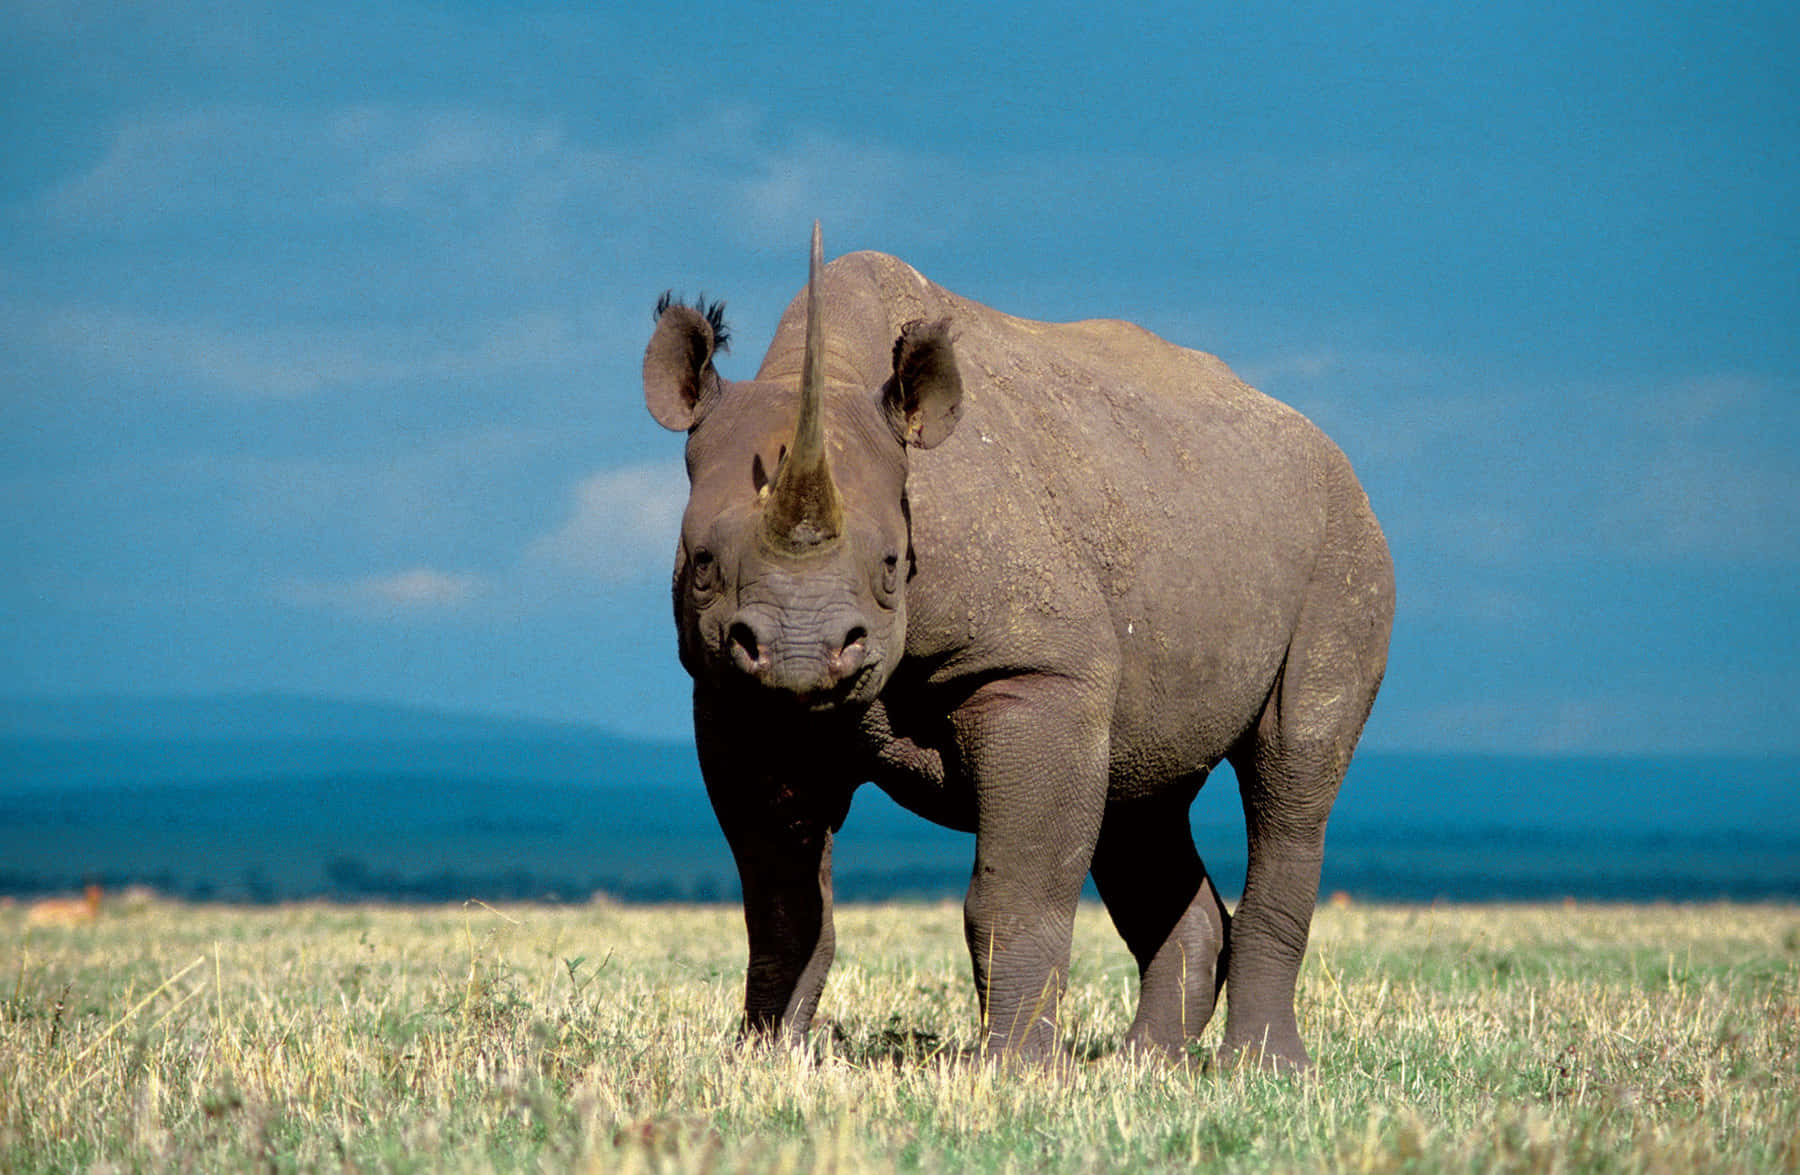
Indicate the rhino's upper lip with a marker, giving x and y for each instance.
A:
(831, 697)
(844, 691)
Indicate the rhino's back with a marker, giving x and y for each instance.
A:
(1098, 405)
(1103, 486)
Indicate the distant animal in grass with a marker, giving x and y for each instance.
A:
(65, 911)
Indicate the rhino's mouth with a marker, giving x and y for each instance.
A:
(821, 692)
(858, 687)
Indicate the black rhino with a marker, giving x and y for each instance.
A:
(1033, 580)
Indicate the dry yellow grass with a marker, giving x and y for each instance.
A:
(603, 1038)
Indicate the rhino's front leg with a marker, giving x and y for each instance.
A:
(787, 911)
(1036, 749)
(779, 821)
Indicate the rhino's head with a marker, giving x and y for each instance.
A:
(795, 546)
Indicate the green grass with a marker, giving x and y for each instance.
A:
(1592, 1038)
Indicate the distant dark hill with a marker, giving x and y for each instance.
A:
(269, 797)
(259, 740)
(274, 796)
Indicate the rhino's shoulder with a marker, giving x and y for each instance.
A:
(869, 263)
(1125, 364)
(888, 278)
(1112, 344)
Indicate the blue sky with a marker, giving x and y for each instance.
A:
(320, 325)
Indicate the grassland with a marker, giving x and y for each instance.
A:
(602, 1038)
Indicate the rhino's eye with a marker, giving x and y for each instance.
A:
(705, 570)
(890, 574)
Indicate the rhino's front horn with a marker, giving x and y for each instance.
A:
(803, 511)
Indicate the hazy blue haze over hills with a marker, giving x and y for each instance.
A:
(268, 797)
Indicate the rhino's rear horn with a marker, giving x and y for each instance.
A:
(803, 511)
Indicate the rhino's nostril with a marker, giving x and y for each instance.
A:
(746, 650)
(851, 654)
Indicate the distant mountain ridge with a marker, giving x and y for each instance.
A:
(257, 740)
(149, 739)
(272, 796)
(237, 717)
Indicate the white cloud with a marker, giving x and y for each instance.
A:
(1714, 475)
(423, 587)
(1269, 371)
(362, 246)
(1464, 600)
(619, 529)
(621, 524)
(414, 592)
(230, 161)
(381, 201)
(108, 37)
(1729, 712)
(427, 492)
(1490, 470)
(440, 158)
(852, 186)
(271, 363)
(289, 362)
(1710, 504)
(369, 245)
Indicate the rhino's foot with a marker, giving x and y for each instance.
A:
(770, 1039)
(1272, 1052)
(1143, 1046)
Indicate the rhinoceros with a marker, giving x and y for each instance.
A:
(1034, 581)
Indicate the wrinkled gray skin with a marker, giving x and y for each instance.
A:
(1038, 580)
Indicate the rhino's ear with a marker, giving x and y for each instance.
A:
(925, 396)
(679, 379)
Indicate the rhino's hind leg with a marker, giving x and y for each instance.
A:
(1165, 908)
(1289, 768)
(1286, 802)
